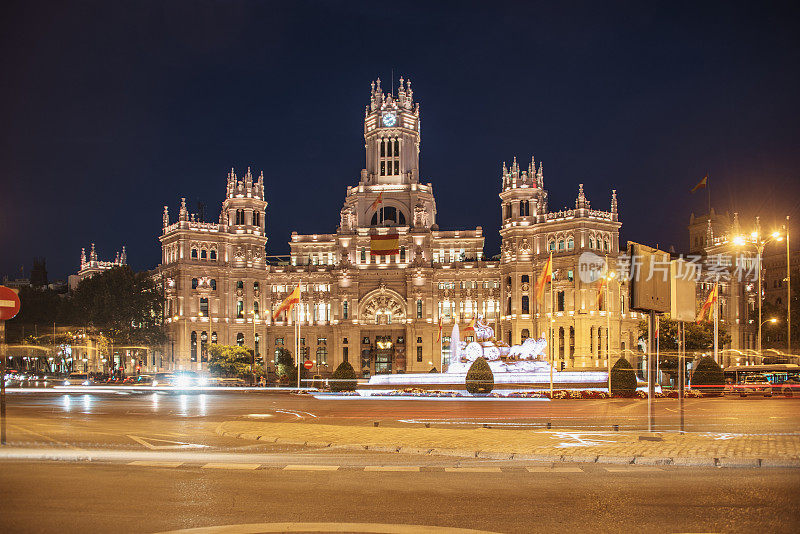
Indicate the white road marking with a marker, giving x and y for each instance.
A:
(143, 463)
(555, 470)
(311, 467)
(230, 466)
(172, 444)
(385, 528)
(397, 468)
(472, 469)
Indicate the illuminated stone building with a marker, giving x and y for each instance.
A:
(92, 265)
(381, 312)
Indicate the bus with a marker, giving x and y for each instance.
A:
(776, 373)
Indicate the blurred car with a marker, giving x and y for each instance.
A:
(77, 379)
(144, 380)
(754, 385)
(231, 382)
(163, 379)
(791, 387)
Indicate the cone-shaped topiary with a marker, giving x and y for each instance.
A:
(479, 377)
(623, 378)
(708, 377)
(344, 378)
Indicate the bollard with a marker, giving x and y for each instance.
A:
(615, 428)
(549, 425)
(427, 425)
(376, 423)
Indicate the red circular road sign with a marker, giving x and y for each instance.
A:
(9, 303)
(308, 364)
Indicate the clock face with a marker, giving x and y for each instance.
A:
(389, 119)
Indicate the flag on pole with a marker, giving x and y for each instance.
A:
(288, 303)
(384, 245)
(710, 300)
(701, 184)
(471, 325)
(378, 201)
(601, 284)
(547, 274)
(440, 330)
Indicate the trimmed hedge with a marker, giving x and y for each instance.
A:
(344, 378)
(480, 378)
(708, 376)
(623, 378)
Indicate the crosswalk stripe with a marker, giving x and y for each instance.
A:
(391, 468)
(143, 463)
(230, 466)
(555, 470)
(311, 467)
(632, 469)
(472, 469)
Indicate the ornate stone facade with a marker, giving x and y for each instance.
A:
(382, 313)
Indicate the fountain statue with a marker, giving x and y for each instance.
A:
(502, 358)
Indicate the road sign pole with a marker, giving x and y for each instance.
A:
(2, 382)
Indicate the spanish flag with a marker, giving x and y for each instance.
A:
(601, 285)
(701, 184)
(547, 275)
(288, 303)
(378, 200)
(471, 325)
(712, 298)
(384, 245)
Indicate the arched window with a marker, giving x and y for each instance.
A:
(194, 283)
(591, 242)
(570, 243)
(194, 253)
(605, 245)
(551, 246)
(203, 254)
(240, 339)
(525, 334)
(525, 304)
(213, 284)
(239, 285)
(508, 307)
(402, 254)
(194, 347)
(204, 347)
(256, 286)
(213, 254)
(560, 244)
(213, 338)
(523, 208)
(255, 309)
(239, 309)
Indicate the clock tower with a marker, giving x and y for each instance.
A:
(392, 136)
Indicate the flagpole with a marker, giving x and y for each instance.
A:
(716, 321)
(552, 320)
(297, 336)
(658, 346)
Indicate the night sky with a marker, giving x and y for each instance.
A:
(112, 109)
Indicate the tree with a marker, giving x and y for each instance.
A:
(285, 362)
(698, 336)
(344, 378)
(229, 360)
(623, 378)
(708, 376)
(479, 378)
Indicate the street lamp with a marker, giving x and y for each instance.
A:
(609, 278)
(253, 368)
(759, 243)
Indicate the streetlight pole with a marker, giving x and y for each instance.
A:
(788, 292)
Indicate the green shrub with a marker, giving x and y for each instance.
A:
(708, 376)
(344, 378)
(623, 378)
(479, 377)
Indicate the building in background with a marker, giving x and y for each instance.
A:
(91, 266)
(376, 289)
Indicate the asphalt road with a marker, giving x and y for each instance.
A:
(109, 419)
(157, 465)
(112, 497)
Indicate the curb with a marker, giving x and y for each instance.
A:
(678, 461)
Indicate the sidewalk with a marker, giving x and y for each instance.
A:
(695, 449)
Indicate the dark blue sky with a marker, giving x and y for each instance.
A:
(112, 109)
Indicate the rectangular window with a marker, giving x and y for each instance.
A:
(419, 354)
(365, 340)
(239, 309)
(560, 301)
(203, 307)
(419, 308)
(345, 310)
(345, 354)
